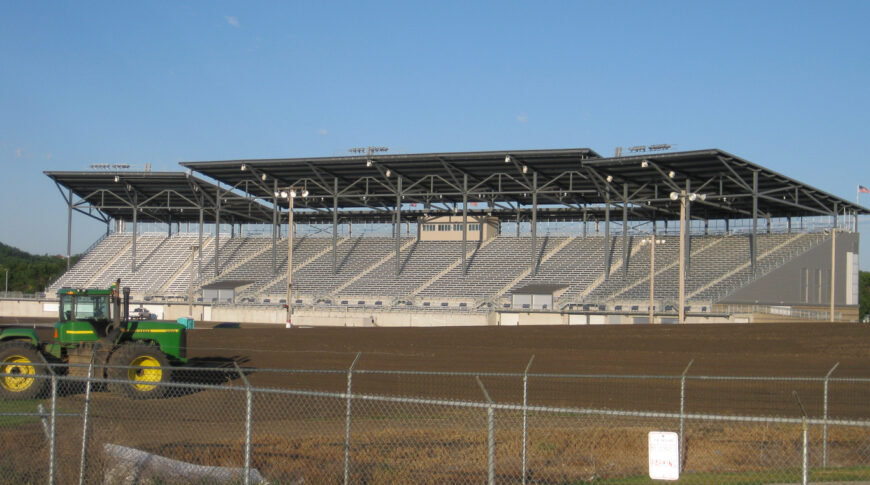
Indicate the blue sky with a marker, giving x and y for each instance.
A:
(783, 84)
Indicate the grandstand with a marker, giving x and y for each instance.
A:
(750, 236)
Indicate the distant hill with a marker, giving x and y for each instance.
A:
(29, 273)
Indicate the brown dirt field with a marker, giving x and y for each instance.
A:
(803, 349)
(303, 436)
(778, 350)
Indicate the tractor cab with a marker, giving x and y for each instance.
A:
(88, 314)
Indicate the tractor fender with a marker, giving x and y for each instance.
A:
(19, 334)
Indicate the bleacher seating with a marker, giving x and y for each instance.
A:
(429, 269)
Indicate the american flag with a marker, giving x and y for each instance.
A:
(863, 190)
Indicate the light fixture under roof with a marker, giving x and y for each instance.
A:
(610, 178)
(243, 167)
(507, 159)
(644, 164)
(263, 177)
(672, 174)
(525, 168)
(388, 172)
(675, 196)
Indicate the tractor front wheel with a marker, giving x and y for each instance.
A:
(143, 369)
(22, 375)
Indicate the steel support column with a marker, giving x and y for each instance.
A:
(217, 233)
(688, 248)
(534, 223)
(753, 240)
(396, 227)
(275, 227)
(201, 217)
(69, 228)
(335, 226)
(135, 228)
(464, 223)
(625, 230)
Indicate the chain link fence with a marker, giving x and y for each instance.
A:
(369, 426)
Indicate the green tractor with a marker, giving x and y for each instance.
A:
(93, 322)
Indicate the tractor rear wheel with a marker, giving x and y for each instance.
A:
(24, 377)
(145, 369)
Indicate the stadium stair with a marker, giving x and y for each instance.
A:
(449, 268)
(108, 264)
(371, 268)
(185, 268)
(299, 266)
(665, 268)
(501, 292)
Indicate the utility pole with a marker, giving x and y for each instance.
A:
(290, 194)
(684, 197)
(653, 242)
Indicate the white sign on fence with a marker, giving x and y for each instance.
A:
(664, 455)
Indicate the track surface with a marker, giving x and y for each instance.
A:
(774, 350)
(805, 349)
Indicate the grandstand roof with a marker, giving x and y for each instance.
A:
(160, 197)
(566, 182)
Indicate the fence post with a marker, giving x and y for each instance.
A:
(526, 412)
(248, 422)
(682, 413)
(805, 446)
(52, 434)
(825, 418)
(85, 417)
(347, 420)
(490, 435)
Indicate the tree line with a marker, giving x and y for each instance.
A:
(29, 273)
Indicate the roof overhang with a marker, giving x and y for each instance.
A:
(155, 197)
(573, 183)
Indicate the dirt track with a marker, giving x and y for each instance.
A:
(805, 349)
(778, 350)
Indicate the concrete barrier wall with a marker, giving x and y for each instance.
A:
(28, 308)
(354, 317)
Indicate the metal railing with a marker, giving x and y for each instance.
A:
(216, 426)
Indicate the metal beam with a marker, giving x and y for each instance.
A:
(335, 227)
(625, 230)
(534, 223)
(464, 222)
(397, 224)
(753, 243)
(135, 229)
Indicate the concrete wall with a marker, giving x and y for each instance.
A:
(783, 286)
(28, 308)
(370, 317)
